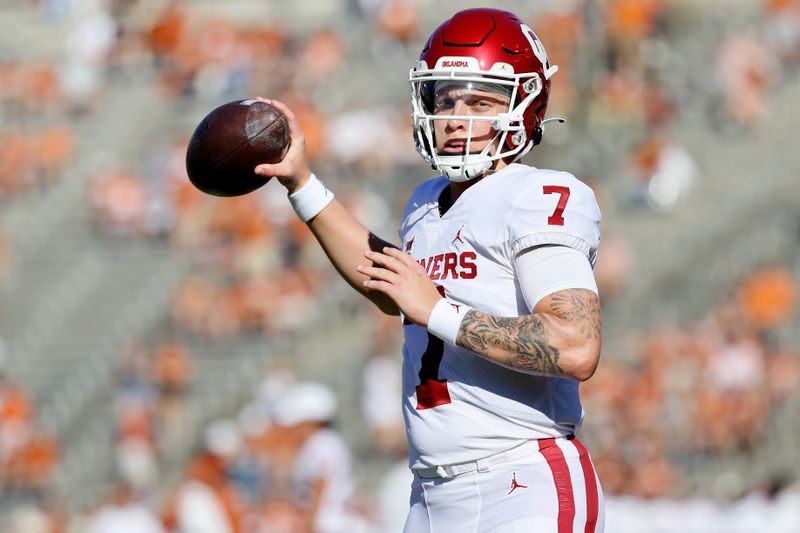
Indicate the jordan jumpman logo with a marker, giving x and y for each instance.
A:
(458, 236)
(514, 484)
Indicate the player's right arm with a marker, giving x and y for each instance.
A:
(341, 235)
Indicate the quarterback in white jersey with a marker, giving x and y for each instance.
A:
(451, 396)
(493, 280)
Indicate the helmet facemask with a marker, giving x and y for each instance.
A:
(510, 140)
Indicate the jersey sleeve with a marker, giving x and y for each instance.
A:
(555, 209)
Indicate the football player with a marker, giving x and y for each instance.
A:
(493, 279)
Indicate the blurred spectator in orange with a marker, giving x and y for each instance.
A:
(737, 364)
(745, 70)
(783, 376)
(205, 501)
(399, 20)
(119, 203)
(172, 374)
(614, 265)
(628, 22)
(31, 466)
(225, 61)
(653, 475)
(16, 416)
(41, 92)
(54, 148)
(619, 94)
(662, 172)
(295, 305)
(193, 305)
(311, 120)
(767, 296)
(172, 368)
(660, 107)
(167, 30)
(319, 60)
(17, 163)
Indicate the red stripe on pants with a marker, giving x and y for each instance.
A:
(566, 500)
(592, 502)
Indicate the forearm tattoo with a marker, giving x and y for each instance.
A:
(581, 307)
(524, 343)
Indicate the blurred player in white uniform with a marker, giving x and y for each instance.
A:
(493, 280)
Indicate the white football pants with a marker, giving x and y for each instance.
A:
(553, 490)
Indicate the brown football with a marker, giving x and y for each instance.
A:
(230, 141)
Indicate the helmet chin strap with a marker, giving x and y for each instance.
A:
(454, 169)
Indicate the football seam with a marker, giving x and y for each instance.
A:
(232, 152)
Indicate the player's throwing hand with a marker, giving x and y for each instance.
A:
(293, 171)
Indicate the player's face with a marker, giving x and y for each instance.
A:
(460, 102)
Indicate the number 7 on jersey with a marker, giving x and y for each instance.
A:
(557, 218)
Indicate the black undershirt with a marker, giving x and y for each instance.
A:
(445, 200)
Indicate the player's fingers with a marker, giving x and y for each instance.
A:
(279, 170)
(294, 125)
(286, 110)
(384, 260)
(294, 158)
(400, 256)
(382, 286)
(377, 273)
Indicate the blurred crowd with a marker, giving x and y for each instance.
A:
(705, 389)
(28, 453)
(697, 390)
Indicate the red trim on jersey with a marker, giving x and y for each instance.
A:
(592, 502)
(561, 477)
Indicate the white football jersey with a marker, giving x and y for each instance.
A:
(458, 406)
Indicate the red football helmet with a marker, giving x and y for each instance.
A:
(487, 49)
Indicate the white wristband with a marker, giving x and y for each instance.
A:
(310, 199)
(446, 318)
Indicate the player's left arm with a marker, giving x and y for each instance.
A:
(561, 338)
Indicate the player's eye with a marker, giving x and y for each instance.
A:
(440, 105)
(480, 105)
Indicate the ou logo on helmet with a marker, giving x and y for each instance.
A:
(536, 44)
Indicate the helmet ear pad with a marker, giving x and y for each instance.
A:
(537, 135)
(532, 118)
(538, 132)
(535, 116)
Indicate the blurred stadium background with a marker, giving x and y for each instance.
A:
(148, 330)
